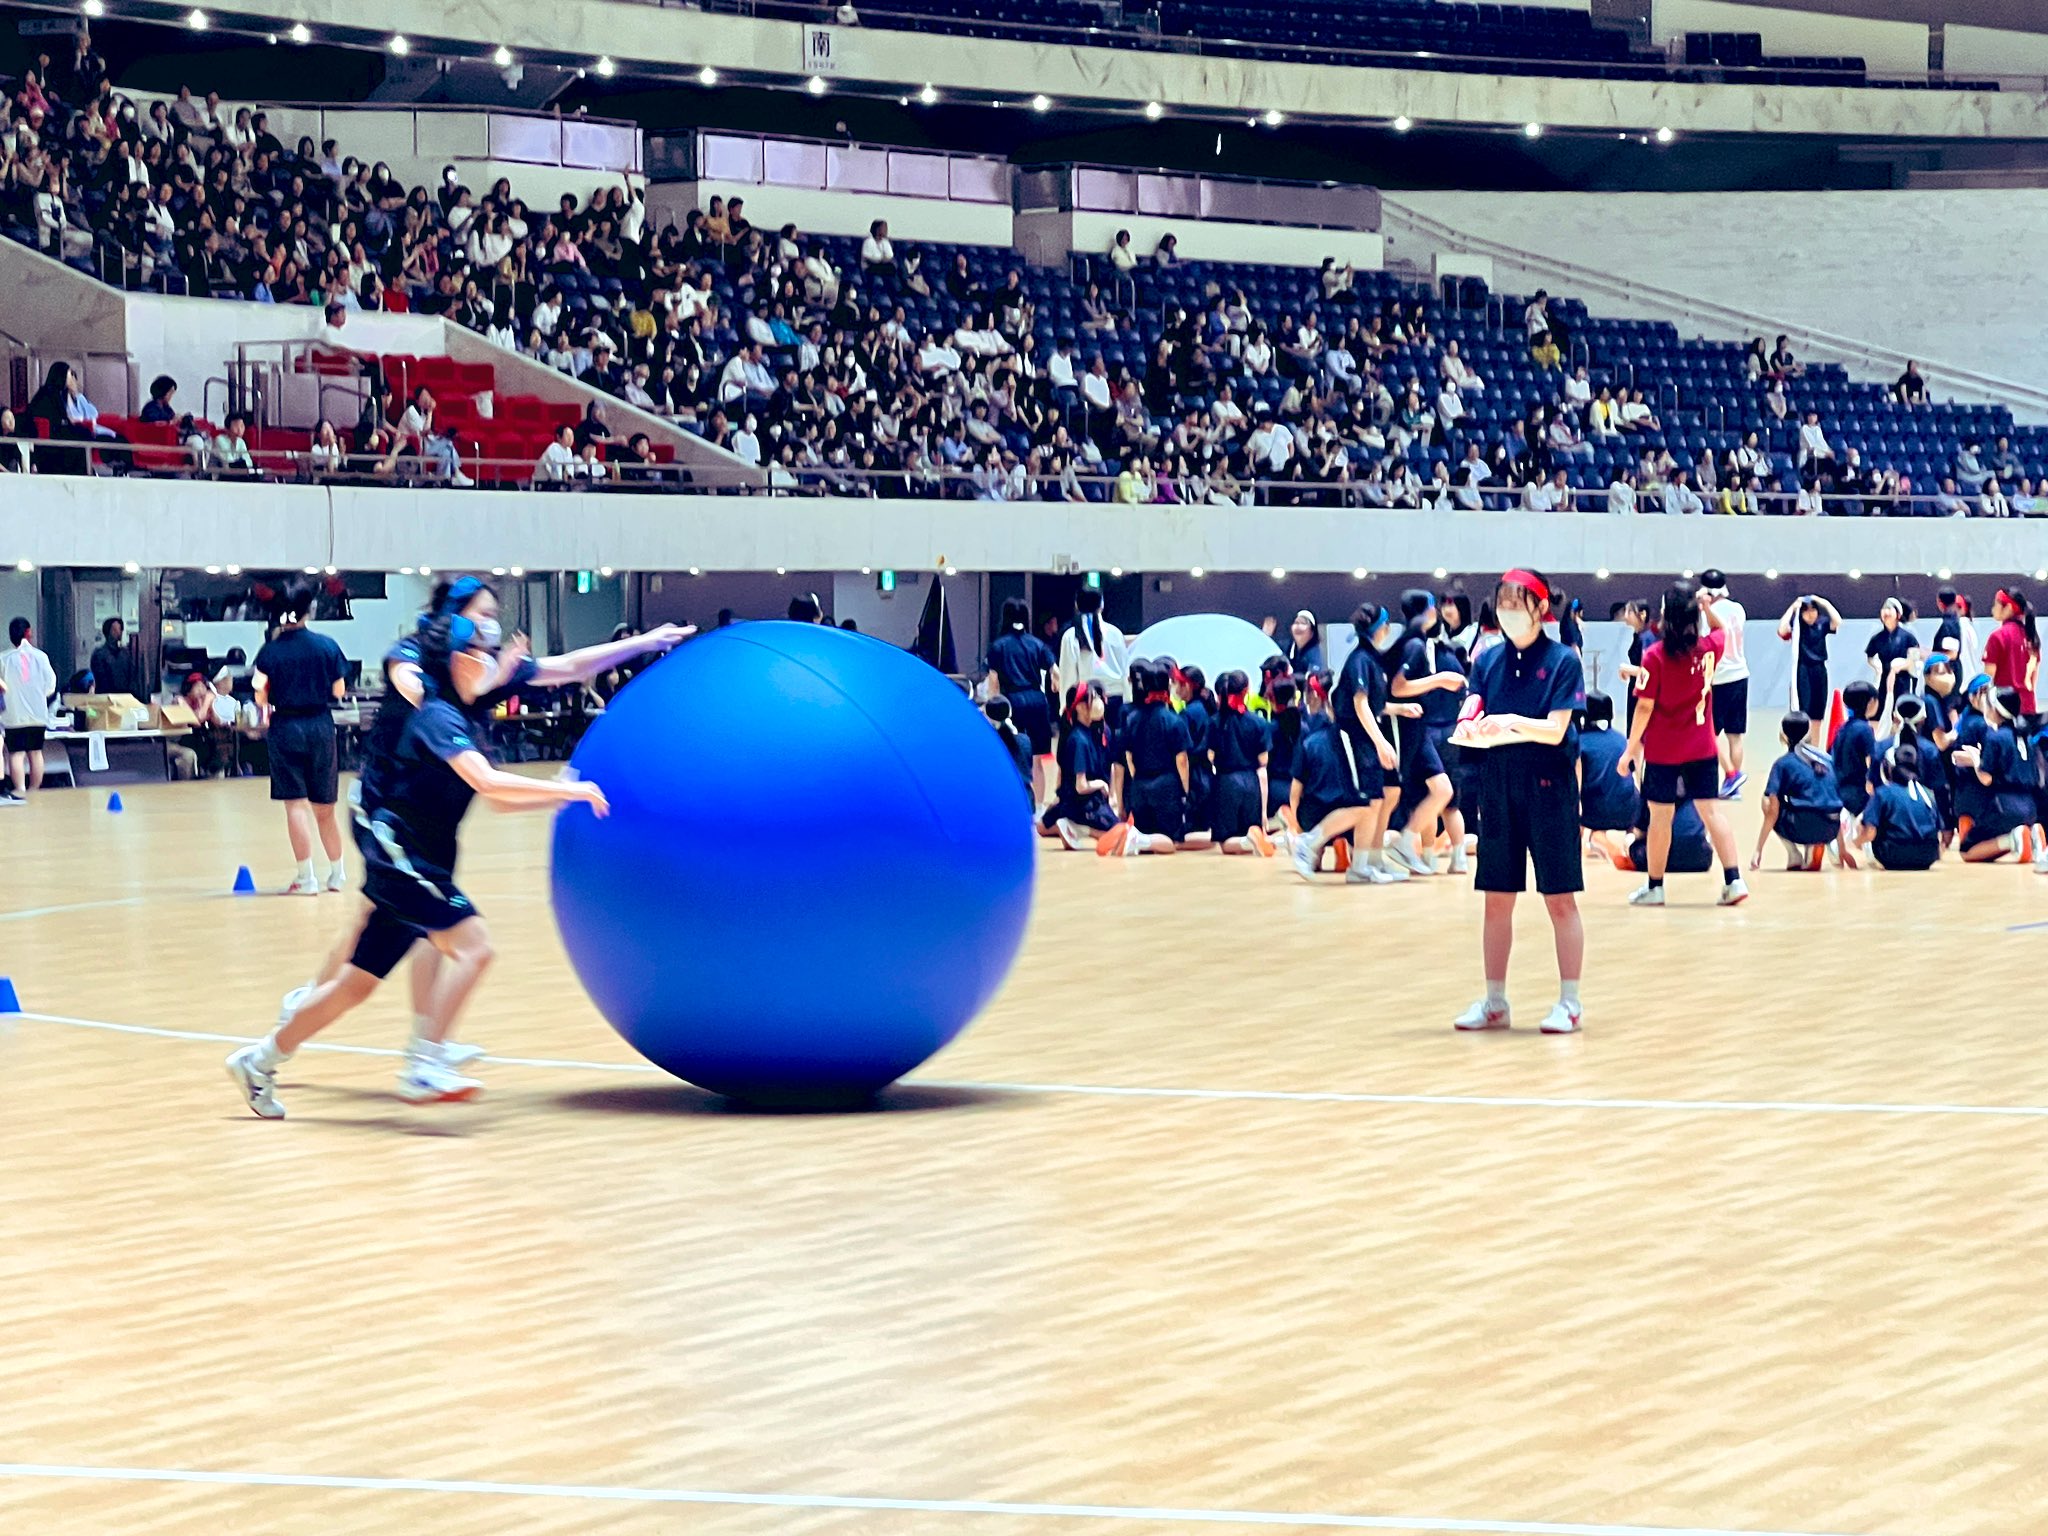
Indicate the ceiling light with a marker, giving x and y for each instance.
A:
(1358, 573)
(1854, 574)
(1116, 570)
(1196, 572)
(928, 95)
(605, 67)
(517, 570)
(1403, 123)
(234, 570)
(780, 571)
(405, 570)
(1279, 574)
(1440, 573)
(604, 571)
(132, 568)
(312, 570)
(503, 57)
(24, 565)
(1665, 135)
(815, 85)
(196, 20)
(1771, 574)
(1532, 130)
(707, 76)
(2041, 573)
(1041, 103)
(399, 45)
(1273, 119)
(213, 570)
(695, 572)
(952, 570)
(94, 8)
(1944, 573)
(426, 570)
(1154, 111)
(1686, 573)
(497, 570)
(301, 33)
(332, 570)
(1601, 574)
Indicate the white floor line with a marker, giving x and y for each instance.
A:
(1024, 1510)
(76, 906)
(1224, 1095)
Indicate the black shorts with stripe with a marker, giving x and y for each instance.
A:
(411, 888)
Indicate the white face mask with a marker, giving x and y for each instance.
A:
(1517, 624)
(489, 634)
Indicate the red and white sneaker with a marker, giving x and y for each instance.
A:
(1563, 1018)
(421, 1081)
(1482, 1015)
(1111, 844)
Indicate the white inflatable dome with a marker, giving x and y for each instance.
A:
(1215, 642)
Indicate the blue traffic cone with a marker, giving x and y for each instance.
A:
(114, 801)
(245, 883)
(9, 1003)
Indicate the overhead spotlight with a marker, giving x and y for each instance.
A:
(332, 570)
(867, 570)
(1195, 571)
(815, 85)
(2041, 573)
(1440, 573)
(1771, 574)
(604, 571)
(196, 20)
(928, 95)
(503, 57)
(781, 571)
(1279, 574)
(1358, 573)
(1041, 103)
(301, 33)
(951, 570)
(1601, 574)
(1854, 574)
(517, 570)
(426, 570)
(213, 570)
(234, 570)
(1154, 111)
(399, 45)
(707, 76)
(312, 570)
(1665, 135)
(24, 565)
(1403, 123)
(132, 568)
(497, 570)
(94, 8)
(1273, 118)
(605, 66)
(405, 570)
(1944, 573)
(1532, 130)
(695, 572)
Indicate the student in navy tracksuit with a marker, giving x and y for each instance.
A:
(1020, 668)
(1692, 851)
(1357, 702)
(1802, 806)
(1285, 708)
(997, 711)
(1081, 808)
(1855, 747)
(1608, 801)
(2004, 765)
(408, 838)
(1944, 700)
(1518, 716)
(1241, 748)
(1198, 714)
(1971, 727)
(1902, 824)
(1427, 673)
(1155, 785)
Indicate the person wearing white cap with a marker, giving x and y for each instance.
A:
(1731, 685)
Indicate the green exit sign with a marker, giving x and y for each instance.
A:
(886, 582)
(585, 582)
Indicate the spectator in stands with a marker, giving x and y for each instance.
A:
(1757, 360)
(1621, 492)
(229, 452)
(1809, 502)
(558, 460)
(1680, 499)
(14, 460)
(162, 389)
(1122, 258)
(1813, 442)
(1910, 388)
(1452, 366)
(418, 430)
(1992, 502)
(1783, 364)
(324, 456)
(1636, 415)
(1167, 252)
(1776, 402)
(877, 253)
(1551, 494)
(1970, 469)
(1603, 418)
(1544, 353)
(1536, 317)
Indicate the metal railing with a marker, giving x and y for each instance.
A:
(406, 470)
(1581, 281)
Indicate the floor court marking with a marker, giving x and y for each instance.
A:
(76, 906)
(1204, 1095)
(603, 1493)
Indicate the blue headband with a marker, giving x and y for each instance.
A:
(460, 591)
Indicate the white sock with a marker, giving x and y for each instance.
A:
(1496, 993)
(1406, 841)
(338, 870)
(306, 872)
(1458, 865)
(1568, 994)
(269, 1054)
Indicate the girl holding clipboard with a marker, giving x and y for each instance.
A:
(1518, 720)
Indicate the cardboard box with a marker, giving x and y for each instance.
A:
(107, 711)
(176, 715)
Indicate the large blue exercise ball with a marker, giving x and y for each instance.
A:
(817, 867)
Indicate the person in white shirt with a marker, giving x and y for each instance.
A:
(1093, 650)
(1731, 683)
(1472, 475)
(1621, 495)
(1439, 495)
(1636, 415)
(557, 463)
(1680, 499)
(1121, 254)
(1059, 368)
(1578, 389)
(1453, 368)
(746, 441)
(1228, 414)
(1813, 441)
(1270, 446)
(1095, 385)
(877, 253)
(1993, 502)
(1449, 407)
(1544, 495)
(26, 682)
(936, 359)
(1602, 419)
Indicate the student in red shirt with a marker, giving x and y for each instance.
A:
(1673, 734)
(2013, 653)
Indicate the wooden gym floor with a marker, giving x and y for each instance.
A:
(1211, 1223)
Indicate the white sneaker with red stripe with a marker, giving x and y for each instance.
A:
(1563, 1019)
(1483, 1014)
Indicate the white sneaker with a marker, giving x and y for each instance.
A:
(1306, 856)
(7, 800)
(1460, 865)
(457, 1054)
(1482, 1015)
(301, 888)
(461, 481)
(1733, 894)
(1391, 874)
(421, 1081)
(1070, 834)
(1563, 1019)
(1412, 863)
(1646, 895)
(258, 1084)
(336, 880)
(1363, 873)
(294, 1000)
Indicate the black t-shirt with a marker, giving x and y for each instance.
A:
(1888, 646)
(301, 669)
(423, 794)
(1154, 738)
(1948, 635)
(1362, 674)
(1813, 642)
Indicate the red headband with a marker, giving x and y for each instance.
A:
(1529, 580)
(1234, 702)
(2005, 597)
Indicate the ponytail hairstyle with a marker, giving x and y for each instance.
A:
(1598, 713)
(1315, 687)
(1196, 682)
(1151, 682)
(1286, 712)
(1088, 618)
(1365, 619)
(1079, 692)
(2023, 610)
(1902, 767)
(1679, 630)
(1016, 615)
(998, 711)
(1415, 602)
(1795, 725)
(1231, 687)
